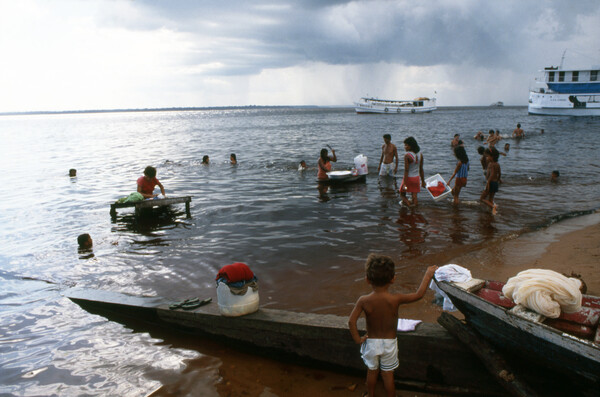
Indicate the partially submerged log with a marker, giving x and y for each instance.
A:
(147, 204)
(491, 358)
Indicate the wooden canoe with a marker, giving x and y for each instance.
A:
(569, 345)
(430, 358)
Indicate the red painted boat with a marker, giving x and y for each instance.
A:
(569, 344)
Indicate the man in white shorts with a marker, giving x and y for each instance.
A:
(389, 154)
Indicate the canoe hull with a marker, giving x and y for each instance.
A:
(430, 359)
(534, 342)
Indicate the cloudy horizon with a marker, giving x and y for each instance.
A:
(109, 54)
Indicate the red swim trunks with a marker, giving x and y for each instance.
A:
(413, 184)
(460, 182)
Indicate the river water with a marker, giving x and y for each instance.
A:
(307, 246)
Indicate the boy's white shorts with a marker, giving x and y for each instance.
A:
(380, 354)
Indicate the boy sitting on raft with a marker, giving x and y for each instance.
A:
(146, 183)
(379, 346)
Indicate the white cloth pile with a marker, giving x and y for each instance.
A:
(544, 291)
(452, 273)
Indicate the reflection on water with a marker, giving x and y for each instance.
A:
(306, 242)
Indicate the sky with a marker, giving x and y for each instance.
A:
(108, 54)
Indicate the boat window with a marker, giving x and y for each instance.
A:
(551, 76)
(561, 76)
(594, 75)
(575, 76)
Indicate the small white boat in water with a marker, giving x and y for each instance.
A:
(373, 105)
(566, 92)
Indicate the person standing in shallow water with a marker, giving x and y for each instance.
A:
(389, 154)
(461, 171)
(518, 132)
(324, 163)
(414, 176)
(493, 177)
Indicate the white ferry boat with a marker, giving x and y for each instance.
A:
(566, 92)
(373, 105)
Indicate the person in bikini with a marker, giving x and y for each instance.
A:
(389, 154)
(379, 346)
(414, 176)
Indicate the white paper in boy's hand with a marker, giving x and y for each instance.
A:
(405, 324)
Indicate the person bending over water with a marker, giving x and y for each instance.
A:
(413, 171)
(379, 346)
(389, 153)
(461, 171)
(324, 163)
(146, 183)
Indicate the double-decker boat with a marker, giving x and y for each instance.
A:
(566, 92)
(374, 105)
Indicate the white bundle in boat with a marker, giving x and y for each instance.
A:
(544, 291)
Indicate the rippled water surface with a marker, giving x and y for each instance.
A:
(306, 245)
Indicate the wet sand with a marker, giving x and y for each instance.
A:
(571, 245)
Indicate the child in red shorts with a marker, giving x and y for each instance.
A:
(413, 171)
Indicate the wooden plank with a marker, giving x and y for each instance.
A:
(493, 361)
(139, 205)
(473, 284)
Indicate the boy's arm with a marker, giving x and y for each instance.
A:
(407, 298)
(458, 165)
(352, 323)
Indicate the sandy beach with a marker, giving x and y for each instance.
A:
(571, 245)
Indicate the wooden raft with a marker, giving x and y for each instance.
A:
(145, 204)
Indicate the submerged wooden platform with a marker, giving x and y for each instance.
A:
(146, 204)
(430, 358)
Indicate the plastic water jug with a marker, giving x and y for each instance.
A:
(360, 163)
(236, 305)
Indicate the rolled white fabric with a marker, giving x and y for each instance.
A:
(544, 291)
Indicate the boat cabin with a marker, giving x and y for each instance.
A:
(572, 81)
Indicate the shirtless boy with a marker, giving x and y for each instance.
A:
(389, 153)
(379, 346)
(492, 180)
(492, 139)
(518, 132)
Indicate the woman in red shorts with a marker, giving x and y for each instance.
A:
(413, 171)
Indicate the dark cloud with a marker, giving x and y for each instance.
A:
(246, 37)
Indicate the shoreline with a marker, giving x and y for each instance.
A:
(569, 240)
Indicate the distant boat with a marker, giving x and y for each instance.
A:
(374, 105)
(566, 92)
(498, 104)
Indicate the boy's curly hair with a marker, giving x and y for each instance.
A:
(380, 269)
